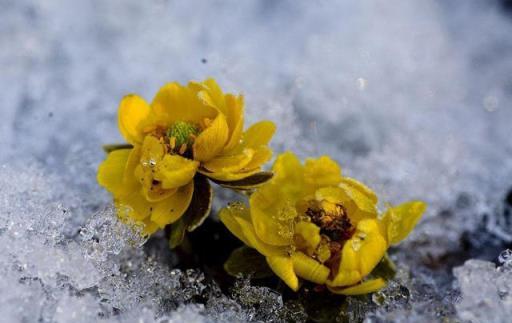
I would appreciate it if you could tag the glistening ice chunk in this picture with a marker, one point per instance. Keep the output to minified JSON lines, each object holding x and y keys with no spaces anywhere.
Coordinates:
{"x":486,"y":291}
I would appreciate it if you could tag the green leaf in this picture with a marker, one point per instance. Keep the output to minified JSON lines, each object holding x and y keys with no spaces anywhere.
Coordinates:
{"x":178,"y":229}
{"x":385,"y":269}
{"x":247,"y":183}
{"x":110,"y":148}
{"x":200,"y":205}
{"x":248,"y":262}
{"x":322,"y":306}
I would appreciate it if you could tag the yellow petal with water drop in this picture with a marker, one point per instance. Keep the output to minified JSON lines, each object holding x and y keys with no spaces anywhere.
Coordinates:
{"x":174,"y":171}
{"x":360,"y":254}
{"x":149,"y":227}
{"x":273,"y":208}
{"x":152,"y":151}
{"x":274,"y":224}
{"x":133,"y":206}
{"x":373,"y":245}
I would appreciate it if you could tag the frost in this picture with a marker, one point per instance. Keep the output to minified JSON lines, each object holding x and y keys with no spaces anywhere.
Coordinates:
{"x":486,"y":291}
{"x":411,"y":98}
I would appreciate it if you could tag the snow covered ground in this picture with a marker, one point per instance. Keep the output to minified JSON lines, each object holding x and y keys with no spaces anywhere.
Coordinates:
{"x":412,"y":97}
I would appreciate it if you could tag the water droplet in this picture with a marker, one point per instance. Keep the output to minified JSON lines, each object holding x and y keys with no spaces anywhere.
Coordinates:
{"x":356,"y":244}
{"x":505,"y":258}
{"x":362,"y":83}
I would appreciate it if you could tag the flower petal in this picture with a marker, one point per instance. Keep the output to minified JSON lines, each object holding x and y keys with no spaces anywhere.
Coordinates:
{"x":274,"y":224}
{"x":321,"y":172}
{"x":360,"y":187}
{"x":309,"y":269}
{"x":401,"y":220}
{"x":172,"y":208}
{"x":212,"y":140}
{"x":273,"y":205}
{"x":130,"y":182}
{"x":111,"y":171}
{"x":175,"y":171}
{"x":214,"y":93}
{"x":246,"y":167}
{"x":152,"y":151}
{"x":373,"y":246}
{"x":258,"y":134}
{"x":228,"y":216}
{"x":360,"y":254}
{"x":264,"y":248}
{"x":149,"y":227}
{"x":307,"y":236}
{"x":230,"y":163}
{"x":364,"y":204}
{"x":232,"y":106}
{"x":282,"y":266}
{"x":289,"y":175}
{"x":133,"y":207}
{"x":345,"y":277}
{"x":358,"y":205}
{"x":235,"y":118}
{"x":261,"y":155}
{"x":133,"y":110}
{"x":365,"y":287}
{"x":175,"y":102}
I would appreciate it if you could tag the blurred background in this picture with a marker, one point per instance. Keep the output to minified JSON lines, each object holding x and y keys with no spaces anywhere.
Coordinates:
{"x":412,"y":97}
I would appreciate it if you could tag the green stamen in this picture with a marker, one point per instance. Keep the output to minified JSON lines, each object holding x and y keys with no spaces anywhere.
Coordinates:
{"x":184,"y":133}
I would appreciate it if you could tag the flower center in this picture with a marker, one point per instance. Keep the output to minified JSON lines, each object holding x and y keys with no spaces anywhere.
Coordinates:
{"x":181,"y":136}
{"x":335,"y":228}
{"x":332,"y":220}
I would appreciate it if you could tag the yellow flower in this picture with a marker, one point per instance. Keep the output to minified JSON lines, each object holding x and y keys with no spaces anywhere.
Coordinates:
{"x":187,"y":134}
{"x":312,"y":223}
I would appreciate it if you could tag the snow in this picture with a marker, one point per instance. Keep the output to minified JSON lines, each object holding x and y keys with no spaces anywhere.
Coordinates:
{"x":411,"y":97}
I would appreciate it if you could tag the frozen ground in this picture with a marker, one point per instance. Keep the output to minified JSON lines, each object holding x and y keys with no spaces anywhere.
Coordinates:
{"x":414,"y":97}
